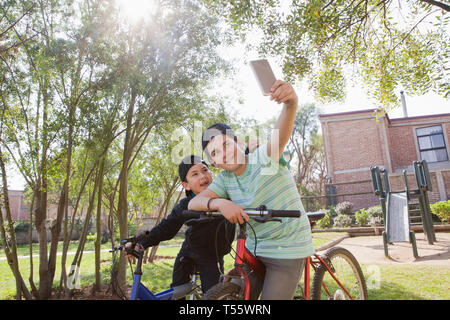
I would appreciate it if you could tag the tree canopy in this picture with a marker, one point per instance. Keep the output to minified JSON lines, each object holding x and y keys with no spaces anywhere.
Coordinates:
{"x":387,"y":45}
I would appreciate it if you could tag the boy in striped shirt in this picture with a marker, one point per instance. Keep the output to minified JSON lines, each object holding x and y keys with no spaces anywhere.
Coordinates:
{"x":254,"y":179}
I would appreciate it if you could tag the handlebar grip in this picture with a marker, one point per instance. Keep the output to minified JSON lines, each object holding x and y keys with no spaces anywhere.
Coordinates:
{"x":286,"y":213}
{"x":191,"y":214}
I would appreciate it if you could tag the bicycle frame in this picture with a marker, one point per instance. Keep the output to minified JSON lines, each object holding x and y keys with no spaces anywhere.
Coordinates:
{"x":140,"y":292}
{"x":244,"y":256}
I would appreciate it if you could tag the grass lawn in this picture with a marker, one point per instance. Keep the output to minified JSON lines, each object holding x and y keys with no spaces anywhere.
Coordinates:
{"x":385,"y":282}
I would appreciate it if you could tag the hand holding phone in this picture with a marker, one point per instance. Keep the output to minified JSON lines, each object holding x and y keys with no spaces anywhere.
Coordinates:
{"x":264,"y":75}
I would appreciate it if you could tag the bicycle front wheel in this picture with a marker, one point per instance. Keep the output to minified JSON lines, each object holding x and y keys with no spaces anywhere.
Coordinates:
{"x":348,"y":272}
{"x":223,"y":291}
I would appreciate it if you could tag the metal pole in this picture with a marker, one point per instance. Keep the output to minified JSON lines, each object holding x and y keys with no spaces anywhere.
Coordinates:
{"x":405,"y":111}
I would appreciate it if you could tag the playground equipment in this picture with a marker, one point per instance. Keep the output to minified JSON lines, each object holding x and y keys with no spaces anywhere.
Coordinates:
{"x":395,"y":206}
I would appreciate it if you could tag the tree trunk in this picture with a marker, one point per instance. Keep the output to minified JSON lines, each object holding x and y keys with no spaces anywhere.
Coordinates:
{"x":99,"y":226}
{"x":40,"y":216}
{"x":11,"y":253}
{"x":34,"y":290}
{"x":40,"y":191}
{"x":56,"y":230}
{"x":122,"y":207}
{"x":68,"y":233}
{"x":75,"y":267}
{"x":63,"y":202}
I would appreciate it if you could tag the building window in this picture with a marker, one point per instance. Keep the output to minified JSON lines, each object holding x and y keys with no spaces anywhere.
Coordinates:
{"x":432,"y":144}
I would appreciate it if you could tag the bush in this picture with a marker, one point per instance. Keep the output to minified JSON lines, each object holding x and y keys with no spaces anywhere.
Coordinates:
{"x":362,"y":217}
{"x":91,"y":237}
{"x":21,"y":226}
{"x":342,"y":220}
{"x":375,"y":215}
{"x":325,"y":222}
{"x":375,"y":211}
{"x":442,"y":210}
{"x":375,"y":220}
{"x":331,"y":212}
{"x":344,"y":208}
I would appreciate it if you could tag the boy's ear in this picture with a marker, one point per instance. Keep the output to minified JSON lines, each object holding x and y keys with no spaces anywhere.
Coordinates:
{"x":186,"y":185}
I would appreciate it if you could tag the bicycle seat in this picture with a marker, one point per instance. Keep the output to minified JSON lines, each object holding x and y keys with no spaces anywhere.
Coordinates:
{"x":314,"y":216}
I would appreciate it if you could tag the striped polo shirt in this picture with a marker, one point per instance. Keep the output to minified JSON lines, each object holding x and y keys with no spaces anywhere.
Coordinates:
{"x":266,"y":182}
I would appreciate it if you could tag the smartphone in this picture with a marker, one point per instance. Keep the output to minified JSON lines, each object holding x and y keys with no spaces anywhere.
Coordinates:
{"x":264,"y":75}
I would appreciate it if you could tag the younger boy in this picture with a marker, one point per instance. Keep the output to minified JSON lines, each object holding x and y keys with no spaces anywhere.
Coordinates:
{"x":199,"y":248}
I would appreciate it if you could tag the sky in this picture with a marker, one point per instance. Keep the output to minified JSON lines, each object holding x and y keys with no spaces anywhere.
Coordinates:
{"x":259,"y":107}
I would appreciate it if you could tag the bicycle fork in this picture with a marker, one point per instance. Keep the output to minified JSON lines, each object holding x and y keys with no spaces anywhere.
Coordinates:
{"x":329,"y":270}
{"x":244,"y":256}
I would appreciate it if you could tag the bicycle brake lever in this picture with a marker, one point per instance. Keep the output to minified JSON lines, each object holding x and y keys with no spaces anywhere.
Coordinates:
{"x":266,"y":219}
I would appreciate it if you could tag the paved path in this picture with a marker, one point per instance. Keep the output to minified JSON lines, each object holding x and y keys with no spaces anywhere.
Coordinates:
{"x":370,"y":249}
{"x":86,"y":251}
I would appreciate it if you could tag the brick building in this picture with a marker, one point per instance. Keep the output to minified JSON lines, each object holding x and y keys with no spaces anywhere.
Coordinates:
{"x":20,"y":210}
{"x":354,"y":141}
{"x":20,"y":207}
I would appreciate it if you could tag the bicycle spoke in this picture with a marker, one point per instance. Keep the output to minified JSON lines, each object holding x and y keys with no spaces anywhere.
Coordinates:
{"x":339,"y":277}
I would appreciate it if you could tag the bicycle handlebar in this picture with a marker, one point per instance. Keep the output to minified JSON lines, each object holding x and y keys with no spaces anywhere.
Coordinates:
{"x":130,"y":250}
{"x":261,"y":214}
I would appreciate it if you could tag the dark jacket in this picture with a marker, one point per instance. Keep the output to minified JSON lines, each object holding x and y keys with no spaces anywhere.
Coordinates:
{"x":200,"y":236}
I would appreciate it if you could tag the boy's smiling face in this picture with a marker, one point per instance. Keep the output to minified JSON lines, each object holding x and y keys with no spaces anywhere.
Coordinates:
{"x":198,"y":178}
{"x":225,"y":153}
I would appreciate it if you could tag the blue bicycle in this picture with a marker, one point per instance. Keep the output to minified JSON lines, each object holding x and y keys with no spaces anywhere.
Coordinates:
{"x":139,"y":291}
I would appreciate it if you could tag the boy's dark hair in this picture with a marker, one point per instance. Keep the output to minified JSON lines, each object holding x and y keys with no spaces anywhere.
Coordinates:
{"x":185,"y":165}
{"x":215,"y":130}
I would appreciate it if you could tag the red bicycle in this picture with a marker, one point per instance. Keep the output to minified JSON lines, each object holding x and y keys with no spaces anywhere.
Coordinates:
{"x":338,"y":275}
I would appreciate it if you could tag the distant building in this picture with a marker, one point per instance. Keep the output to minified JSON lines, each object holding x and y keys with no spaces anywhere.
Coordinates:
{"x":20,"y":207}
{"x":354,"y":141}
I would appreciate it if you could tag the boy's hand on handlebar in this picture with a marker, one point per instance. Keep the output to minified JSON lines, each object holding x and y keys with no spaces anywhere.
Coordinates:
{"x":233,"y":212}
{"x":127,"y":250}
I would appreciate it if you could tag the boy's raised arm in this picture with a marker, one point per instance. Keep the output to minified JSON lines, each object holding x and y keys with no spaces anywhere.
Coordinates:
{"x":282,"y":92}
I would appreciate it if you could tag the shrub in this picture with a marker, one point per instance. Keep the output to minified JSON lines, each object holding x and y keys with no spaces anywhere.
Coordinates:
{"x":375,"y":211}
{"x":344,"y":208}
{"x":325,"y":222}
{"x":442,"y":210}
{"x":331,"y":212}
{"x":91,"y":237}
{"x":21,"y":226}
{"x":375,"y":220}
{"x":362,"y":217}
{"x":375,"y":215}
{"x":342,"y":220}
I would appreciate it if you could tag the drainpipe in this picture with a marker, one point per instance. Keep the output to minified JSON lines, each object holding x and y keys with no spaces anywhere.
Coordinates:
{"x":405,"y":112}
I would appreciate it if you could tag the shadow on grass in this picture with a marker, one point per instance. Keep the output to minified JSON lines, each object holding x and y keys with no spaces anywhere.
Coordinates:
{"x":392,"y":291}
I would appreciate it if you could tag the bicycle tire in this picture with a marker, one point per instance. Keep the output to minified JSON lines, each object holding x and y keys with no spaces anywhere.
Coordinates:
{"x":223,"y":291}
{"x":349,"y":273}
